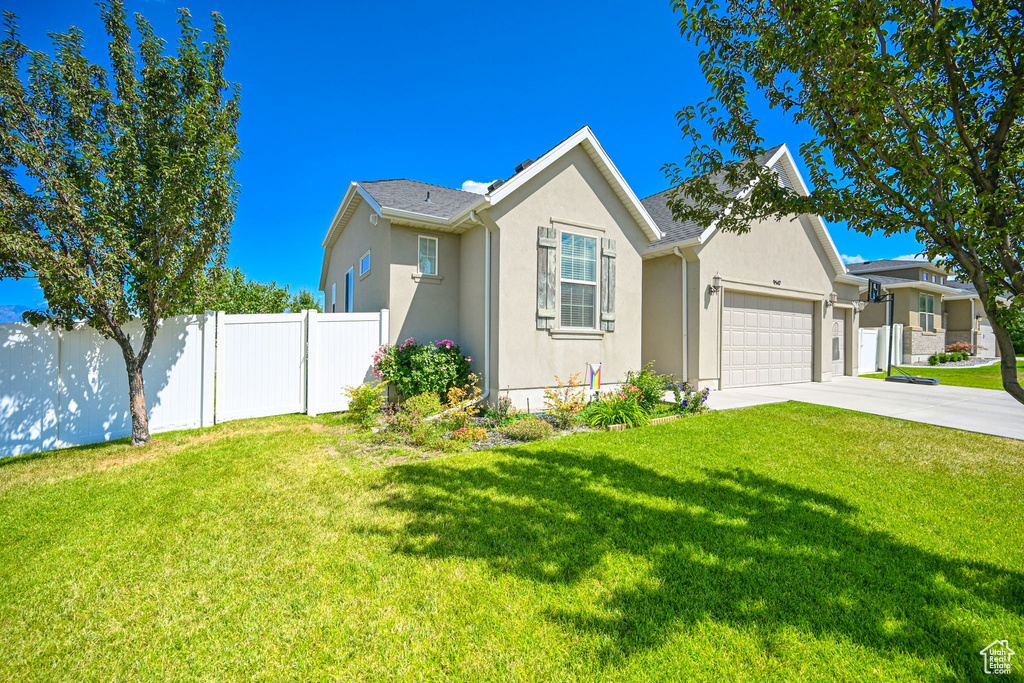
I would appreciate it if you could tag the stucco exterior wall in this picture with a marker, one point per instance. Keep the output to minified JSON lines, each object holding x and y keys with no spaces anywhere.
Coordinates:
{"x":662,"y":330}
{"x":570,"y":195}
{"x":371,"y":291}
{"x":424,"y":308}
{"x":958,"y":315}
{"x":775,"y":258}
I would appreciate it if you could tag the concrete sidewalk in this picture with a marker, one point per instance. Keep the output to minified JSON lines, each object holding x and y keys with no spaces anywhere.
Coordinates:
{"x":975,"y":410}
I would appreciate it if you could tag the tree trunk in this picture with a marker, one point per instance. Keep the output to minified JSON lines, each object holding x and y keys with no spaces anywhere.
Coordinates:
{"x":1007,"y":361}
{"x":137,"y":401}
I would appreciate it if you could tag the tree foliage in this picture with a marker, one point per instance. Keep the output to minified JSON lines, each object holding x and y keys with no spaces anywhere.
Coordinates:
{"x":116,"y":185}
{"x":916,"y":113}
{"x":232,"y":292}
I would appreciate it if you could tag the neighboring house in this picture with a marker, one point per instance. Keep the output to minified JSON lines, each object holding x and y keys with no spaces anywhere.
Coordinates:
{"x":934,"y":309}
{"x":561,"y":265}
{"x":771,"y":306}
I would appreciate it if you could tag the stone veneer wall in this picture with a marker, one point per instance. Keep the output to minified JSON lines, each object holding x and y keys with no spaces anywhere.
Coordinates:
{"x":917,"y":345}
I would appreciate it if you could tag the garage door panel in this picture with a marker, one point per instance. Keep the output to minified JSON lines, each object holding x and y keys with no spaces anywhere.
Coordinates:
{"x":766,"y":340}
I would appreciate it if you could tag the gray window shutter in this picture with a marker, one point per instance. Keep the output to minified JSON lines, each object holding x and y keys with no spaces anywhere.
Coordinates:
{"x":547,"y":276}
{"x":608,"y":285}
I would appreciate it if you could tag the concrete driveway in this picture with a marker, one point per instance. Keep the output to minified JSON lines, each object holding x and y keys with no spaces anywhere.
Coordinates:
{"x":975,"y":410}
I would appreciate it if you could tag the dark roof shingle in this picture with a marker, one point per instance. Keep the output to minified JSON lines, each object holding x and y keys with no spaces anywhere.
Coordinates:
{"x":411,"y":195}
{"x":678,"y":231}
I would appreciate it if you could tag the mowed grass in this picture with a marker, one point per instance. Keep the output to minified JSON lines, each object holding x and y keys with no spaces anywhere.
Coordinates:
{"x":983,"y":377}
{"x":773,"y":543}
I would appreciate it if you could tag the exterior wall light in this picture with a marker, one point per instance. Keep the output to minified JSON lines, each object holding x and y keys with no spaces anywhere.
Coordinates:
{"x":716,"y":284}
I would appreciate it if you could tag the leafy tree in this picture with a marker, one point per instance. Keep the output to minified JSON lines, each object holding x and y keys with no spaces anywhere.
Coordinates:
{"x":306,"y":300}
{"x":916,"y":114}
{"x":117,"y":187}
{"x":232,"y":292}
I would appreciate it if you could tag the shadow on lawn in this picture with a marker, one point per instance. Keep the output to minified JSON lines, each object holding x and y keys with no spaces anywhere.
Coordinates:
{"x":735,"y":547}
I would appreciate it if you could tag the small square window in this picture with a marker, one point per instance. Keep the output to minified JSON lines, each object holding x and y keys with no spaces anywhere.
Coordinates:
{"x":427,"y":258}
{"x":364,"y":263}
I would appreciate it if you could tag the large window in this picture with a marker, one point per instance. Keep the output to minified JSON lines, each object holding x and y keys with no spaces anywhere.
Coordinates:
{"x":927,"y":312}
{"x":350,"y":291}
{"x":427,"y":261}
{"x":579,"y":281}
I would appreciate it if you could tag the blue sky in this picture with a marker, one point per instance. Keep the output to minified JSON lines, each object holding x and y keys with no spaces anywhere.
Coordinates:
{"x":438,"y":92}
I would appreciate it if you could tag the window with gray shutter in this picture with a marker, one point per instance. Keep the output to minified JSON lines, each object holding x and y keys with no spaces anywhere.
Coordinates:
{"x":608,"y":285}
{"x":547,"y":242}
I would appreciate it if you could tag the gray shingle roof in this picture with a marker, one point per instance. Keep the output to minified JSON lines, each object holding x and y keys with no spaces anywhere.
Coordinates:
{"x":885,"y":264}
{"x":411,"y":195}
{"x":678,"y":231}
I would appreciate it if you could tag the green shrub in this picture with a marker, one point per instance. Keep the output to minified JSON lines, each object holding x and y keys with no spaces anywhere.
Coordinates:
{"x":417,"y":368}
{"x":527,"y":428}
{"x":651,"y":385}
{"x":933,"y":359}
{"x":617,"y":407}
{"x":411,"y":417}
{"x":501,"y":412}
{"x":365,"y":402}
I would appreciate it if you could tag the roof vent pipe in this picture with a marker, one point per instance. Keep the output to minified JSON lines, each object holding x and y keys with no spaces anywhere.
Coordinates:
{"x":428,"y":198}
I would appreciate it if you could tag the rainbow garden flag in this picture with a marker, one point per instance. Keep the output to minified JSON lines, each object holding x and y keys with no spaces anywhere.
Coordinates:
{"x":594,"y":375}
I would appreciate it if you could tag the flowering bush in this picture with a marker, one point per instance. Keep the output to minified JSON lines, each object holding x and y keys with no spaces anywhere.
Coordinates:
{"x":564,"y":401}
{"x":417,"y":368}
{"x":651,"y":385}
{"x":470,"y":434}
{"x":617,"y":407}
{"x":689,"y":400}
{"x":501,"y":412}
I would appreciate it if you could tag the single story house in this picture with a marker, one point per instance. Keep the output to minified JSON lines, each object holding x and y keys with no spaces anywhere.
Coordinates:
{"x":561,"y":266}
{"x":934,"y":309}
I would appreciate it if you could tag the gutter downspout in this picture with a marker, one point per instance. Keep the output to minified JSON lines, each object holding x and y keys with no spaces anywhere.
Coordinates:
{"x":487,"y":305}
{"x":686,"y":326}
{"x":974,"y":327}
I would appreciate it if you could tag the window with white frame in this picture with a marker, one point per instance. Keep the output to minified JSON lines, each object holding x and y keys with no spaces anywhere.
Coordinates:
{"x":927,"y":312}
{"x":364,"y":264}
{"x":924,"y":276}
{"x":427,"y":256}
{"x":578,"y":300}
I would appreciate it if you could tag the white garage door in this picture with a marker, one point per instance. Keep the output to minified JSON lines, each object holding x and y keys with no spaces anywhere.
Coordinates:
{"x":766,"y":340}
{"x":838,"y":342}
{"x":986,"y":341}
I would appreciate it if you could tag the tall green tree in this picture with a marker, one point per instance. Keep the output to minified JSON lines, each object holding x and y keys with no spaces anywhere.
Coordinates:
{"x":232,"y":292}
{"x":117,"y":185}
{"x":915,"y":108}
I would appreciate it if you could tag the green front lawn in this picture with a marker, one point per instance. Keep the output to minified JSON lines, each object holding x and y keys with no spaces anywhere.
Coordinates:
{"x":983,"y":377}
{"x":778,"y":542}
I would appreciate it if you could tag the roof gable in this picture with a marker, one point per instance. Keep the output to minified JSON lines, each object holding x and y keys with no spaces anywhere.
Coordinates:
{"x":679,"y":233}
{"x":583,"y":138}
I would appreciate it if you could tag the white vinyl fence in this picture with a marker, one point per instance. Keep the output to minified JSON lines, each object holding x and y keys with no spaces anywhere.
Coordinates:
{"x":873,"y":347}
{"x":65,"y":388}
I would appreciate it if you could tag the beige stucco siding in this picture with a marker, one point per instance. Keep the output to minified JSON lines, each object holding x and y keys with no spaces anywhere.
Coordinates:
{"x":571,"y":189}
{"x":663,"y":314}
{"x":779,"y":258}
{"x":370,"y":291}
{"x":426,"y":309}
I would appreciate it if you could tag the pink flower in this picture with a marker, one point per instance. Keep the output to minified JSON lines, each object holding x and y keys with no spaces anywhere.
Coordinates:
{"x":469,"y":359}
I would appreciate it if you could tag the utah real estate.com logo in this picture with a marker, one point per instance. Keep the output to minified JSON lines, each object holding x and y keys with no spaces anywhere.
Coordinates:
{"x":997,"y":657}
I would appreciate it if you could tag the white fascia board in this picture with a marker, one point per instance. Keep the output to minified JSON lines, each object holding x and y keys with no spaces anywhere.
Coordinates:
{"x":849,"y":279}
{"x":601,"y":158}
{"x":931,"y":287}
{"x":960,"y":297}
{"x":354,"y":192}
